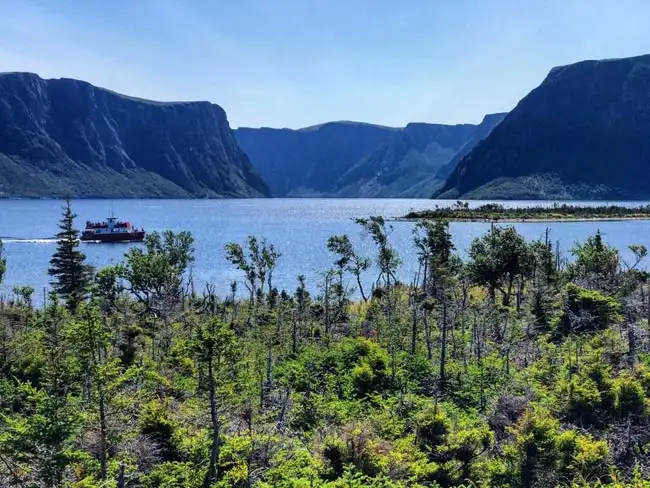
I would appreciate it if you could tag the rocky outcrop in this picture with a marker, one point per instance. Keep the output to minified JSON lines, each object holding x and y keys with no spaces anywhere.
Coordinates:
{"x":350,"y":159}
{"x":67,"y":136}
{"x":310,"y":161}
{"x":583,"y":133}
{"x":406,"y":164}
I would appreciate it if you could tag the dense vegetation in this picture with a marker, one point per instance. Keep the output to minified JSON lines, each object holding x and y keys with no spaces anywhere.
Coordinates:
{"x":492,"y":212}
{"x":513,"y":368}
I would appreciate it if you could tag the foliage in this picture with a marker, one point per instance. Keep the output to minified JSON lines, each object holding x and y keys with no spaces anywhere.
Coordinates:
{"x":71,"y":274}
{"x":147,"y":383}
{"x":498,"y":259}
{"x":155,"y":274}
{"x":3,"y":262}
{"x":496,"y":212}
{"x":595,"y":261}
{"x":589,"y":310}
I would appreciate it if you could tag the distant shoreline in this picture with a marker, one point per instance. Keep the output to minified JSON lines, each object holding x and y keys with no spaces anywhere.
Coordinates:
{"x":530,"y":221}
{"x":494,"y":213}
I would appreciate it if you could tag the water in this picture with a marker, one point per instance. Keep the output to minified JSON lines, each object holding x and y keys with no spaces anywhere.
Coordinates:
{"x":299,"y":228}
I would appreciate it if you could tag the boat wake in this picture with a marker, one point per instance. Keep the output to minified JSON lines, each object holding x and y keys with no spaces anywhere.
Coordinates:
{"x":28,"y":240}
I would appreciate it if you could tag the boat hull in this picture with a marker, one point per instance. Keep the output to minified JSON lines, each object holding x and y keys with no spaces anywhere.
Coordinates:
{"x":113,"y":237}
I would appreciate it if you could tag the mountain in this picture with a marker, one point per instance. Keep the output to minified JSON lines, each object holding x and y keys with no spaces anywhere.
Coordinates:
{"x":584,"y":133}
{"x":404,"y":165}
{"x":350,"y":159}
{"x":483,"y":130}
{"x":309,"y":161}
{"x":65,"y":136}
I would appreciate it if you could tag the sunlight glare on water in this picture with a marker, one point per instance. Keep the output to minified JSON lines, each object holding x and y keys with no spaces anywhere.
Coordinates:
{"x":299,"y":228}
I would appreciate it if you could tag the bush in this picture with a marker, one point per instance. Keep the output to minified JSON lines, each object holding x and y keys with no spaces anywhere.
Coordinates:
{"x":581,"y":400}
{"x":432,"y":427}
{"x":628,"y":396}
{"x":588,"y":311}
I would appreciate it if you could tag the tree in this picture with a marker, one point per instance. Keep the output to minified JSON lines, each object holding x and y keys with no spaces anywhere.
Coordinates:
{"x":156,"y":274}
{"x":388,"y":260}
{"x":349,"y":260}
{"x":498,"y":258}
{"x":596,"y":263}
{"x":258,"y":266}
{"x":215,"y":346}
{"x":92,"y":348}
{"x":3,"y":262}
{"x":72,"y":276}
{"x":545,"y":267}
{"x":588,"y":311}
{"x":434,"y":247}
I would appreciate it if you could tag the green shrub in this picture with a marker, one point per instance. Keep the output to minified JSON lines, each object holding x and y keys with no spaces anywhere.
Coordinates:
{"x":588,"y":311}
{"x":628,"y":396}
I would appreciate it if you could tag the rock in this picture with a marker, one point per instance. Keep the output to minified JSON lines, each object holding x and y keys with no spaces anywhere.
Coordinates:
{"x":65,"y":136}
{"x":350,"y":159}
{"x":582,"y":134}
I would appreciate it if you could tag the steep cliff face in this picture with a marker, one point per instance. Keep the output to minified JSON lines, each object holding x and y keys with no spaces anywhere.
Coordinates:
{"x":309,"y":161}
{"x":349,"y":159}
{"x":484,"y":129}
{"x":583,"y":133}
{"x":66,"y":136}
{"x":405,"y":165}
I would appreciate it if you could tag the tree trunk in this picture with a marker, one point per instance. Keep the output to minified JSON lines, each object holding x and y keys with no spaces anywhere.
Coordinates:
{"x":363,"y":295}
{"x":631,"y":340}
{"x":427,"y":333}
{"x":120,"y":477}
{"x":649,"y":309}
{"x":327,"y":305}
{"x":294,"y":335}
{"x":414,"y":329}
{"x":443,"y":348}
{"x":508,"y":293}
{"x":103,"y":431}
{"x":269,"y":364}
{"x":213,"y":470}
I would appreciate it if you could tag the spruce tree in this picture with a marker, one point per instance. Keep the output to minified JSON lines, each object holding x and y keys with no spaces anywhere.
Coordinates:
{"x":3,"y":262}
{"x":68,"y":267}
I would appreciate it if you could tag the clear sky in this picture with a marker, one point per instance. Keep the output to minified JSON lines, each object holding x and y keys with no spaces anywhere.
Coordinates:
{"x":294,"y":63}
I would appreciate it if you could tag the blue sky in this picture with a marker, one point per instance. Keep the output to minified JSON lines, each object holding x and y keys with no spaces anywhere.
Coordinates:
{"x":294,"y":63}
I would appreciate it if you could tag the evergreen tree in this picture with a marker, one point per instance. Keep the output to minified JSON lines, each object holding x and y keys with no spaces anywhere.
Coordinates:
{"x":72,"y":276}
{"x":3,"y":262}
{"x":498,"y":259}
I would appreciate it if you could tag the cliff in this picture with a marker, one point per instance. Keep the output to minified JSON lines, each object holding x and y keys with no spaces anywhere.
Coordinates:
{"x":65,"y":136}
{"x":351,"y":159}
{"x":583,"y":133}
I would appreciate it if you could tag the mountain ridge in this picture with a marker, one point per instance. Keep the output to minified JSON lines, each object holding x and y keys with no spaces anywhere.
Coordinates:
{"x":68,"y":137}
{"x":361,"y":160}
{"x":582,"y":133}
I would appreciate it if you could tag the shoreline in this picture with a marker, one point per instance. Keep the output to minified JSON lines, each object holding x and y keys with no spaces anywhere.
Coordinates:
{"x":513,"y":220}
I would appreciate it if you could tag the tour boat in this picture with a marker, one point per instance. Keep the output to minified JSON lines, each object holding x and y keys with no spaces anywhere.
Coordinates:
{"x":111,"y":230}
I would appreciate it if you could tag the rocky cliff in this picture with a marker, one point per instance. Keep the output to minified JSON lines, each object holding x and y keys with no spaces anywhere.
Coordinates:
{"x":405,"y":165}
{"x":583,"y":133}
{"x":66,"y":136}
{"x":349,"y":159}
{"x":309,"y":161}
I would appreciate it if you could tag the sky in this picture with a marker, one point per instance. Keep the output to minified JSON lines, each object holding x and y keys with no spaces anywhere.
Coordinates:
{"x":295,"y":63}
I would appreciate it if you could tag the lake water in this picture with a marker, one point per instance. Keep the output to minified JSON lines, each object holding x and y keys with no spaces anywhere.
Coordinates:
{"x":299,"y":228}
